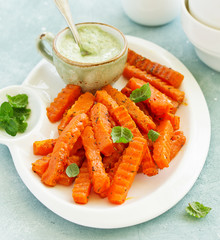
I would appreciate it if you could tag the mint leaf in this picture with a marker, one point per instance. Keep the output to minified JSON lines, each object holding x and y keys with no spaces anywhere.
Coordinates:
{"x":121,"y":135}
{"x":153,"y":135}
{"x":18,"y":101}
{"x":197,"y":210}
{"x":6,"y":110}
{"x":72,"y":170}
{"x":22,"y":127}
{"x":141,"y":94}
{"x":12,"y":127}
{"x":22,"y":114}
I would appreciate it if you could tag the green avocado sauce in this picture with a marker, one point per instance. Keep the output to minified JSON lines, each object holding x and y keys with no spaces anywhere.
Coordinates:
{"x":101,"y":45}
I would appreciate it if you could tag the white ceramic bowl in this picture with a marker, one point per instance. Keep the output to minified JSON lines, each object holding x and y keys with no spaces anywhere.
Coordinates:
{"x":151,"y":12}
{"x":205,"y":39}
{"x":206,"y":11}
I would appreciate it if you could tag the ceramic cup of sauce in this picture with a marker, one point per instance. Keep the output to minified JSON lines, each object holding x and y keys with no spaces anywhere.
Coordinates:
{"x":105,"y":63}
{"x":151,"y":12}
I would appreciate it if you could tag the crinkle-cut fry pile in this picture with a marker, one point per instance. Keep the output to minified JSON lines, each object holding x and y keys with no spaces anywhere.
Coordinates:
{"x":86,"y":122}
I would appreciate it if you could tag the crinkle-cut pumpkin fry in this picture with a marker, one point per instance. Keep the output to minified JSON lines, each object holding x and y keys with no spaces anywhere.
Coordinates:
{"x":170,"y":91}
{"x":144,"y":109}
{"x":44,"y":147}
{"x":127,"y":170}
{"x":158,"y":103}
{"x":175,"y":105}
{"x":65,"y":180}
{"x":142,"y":120}
{"x":109,"y":162}
{"x":162,"y":148}
{"x":63,"y":101}
{"x":104,"y":98}
{"x":78,"y":145}
{"x":111,"y":174}
{"x":100,"y":179}
{"x":177,"y":141}
{"x":123,"y":118}
{"x":102,"y":129}
{"x":82,"y":185}
{"x":78,"y":158}
{"x":168,"y":75}
{"x":148,"y":165}
{"x":175,"y":120}
{"x":41,"y":165}
{"x":62,"y":149}
{"x":82,"y":105}
{"x":126,"y":91}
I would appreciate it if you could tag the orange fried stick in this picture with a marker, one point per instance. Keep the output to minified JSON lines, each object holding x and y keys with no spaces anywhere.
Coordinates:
{"x":62,"y":149}
{"x":177,"y":141}
{"x":127,"y":170}
{"x":41,"y":165}
{"x":170,"y":91}
{"x":123,"y":118}
{"x":142,"y":120}
{"x":148,"y":165}
{"x":158,"y":103}
{"x":63,"y":101}
{"x":44,"y":147}
{"x":168,"y":75}
{"x":82,"y":185}
{"x":104,"y":98}
{"x":100,"y":179}
{"x":102,"y":129}
{"x":82,"y":105}
{"x":161,"y":151}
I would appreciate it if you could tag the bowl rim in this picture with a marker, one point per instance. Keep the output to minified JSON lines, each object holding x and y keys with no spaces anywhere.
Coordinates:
{"x":80,"y":64}
{"x":186,"y":17}
{"x":185,"y":8}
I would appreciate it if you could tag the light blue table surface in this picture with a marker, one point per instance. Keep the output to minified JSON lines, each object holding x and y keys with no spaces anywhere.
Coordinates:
{"x":22,"y":216}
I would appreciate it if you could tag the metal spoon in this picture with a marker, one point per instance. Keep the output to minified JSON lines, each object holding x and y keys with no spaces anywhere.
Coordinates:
{"x":64,"y":8}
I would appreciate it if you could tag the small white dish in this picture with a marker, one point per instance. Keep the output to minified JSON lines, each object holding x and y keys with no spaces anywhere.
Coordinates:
{"x":206,"y":11}
{"x":205,"y":39}
{"x":151,"y":12}
{"x":148,"y":197}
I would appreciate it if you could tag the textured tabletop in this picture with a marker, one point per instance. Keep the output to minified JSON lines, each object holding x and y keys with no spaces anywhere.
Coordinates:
{"x":22,"y":216}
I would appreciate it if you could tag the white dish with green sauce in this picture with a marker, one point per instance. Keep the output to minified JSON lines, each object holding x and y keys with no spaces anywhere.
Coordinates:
{"x":105,"y":64}
{"x":101,"y":45}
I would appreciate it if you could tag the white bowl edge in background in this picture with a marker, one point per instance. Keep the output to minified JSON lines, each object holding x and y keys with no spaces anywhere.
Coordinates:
{"x":205,"y":39}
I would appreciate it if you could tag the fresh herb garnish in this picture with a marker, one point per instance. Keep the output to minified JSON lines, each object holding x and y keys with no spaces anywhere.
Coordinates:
{"x":72,"y":170}
{"x":14,"y":114}
{"x":141,"y":94}
{"x":18,"y":101}
{"x":197,"y":210}
{"x":121,"y":135}
{"x":153,"y":135}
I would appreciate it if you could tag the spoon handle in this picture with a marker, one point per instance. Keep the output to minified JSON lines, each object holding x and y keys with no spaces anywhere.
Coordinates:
{"x":64,"y":8}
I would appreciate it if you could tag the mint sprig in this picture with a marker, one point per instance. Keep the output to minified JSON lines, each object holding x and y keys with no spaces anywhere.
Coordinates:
{"x":141,"y":94}
{"x":14,"y":114}
{"x":121,"y":135}
{"x":197,"y":210}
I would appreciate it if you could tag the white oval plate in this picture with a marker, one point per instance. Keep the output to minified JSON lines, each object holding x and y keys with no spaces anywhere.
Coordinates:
{"x":149,"y":196}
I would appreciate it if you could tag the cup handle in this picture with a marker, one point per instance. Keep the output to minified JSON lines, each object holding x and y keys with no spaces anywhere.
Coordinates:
{"x":48,"y":37}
